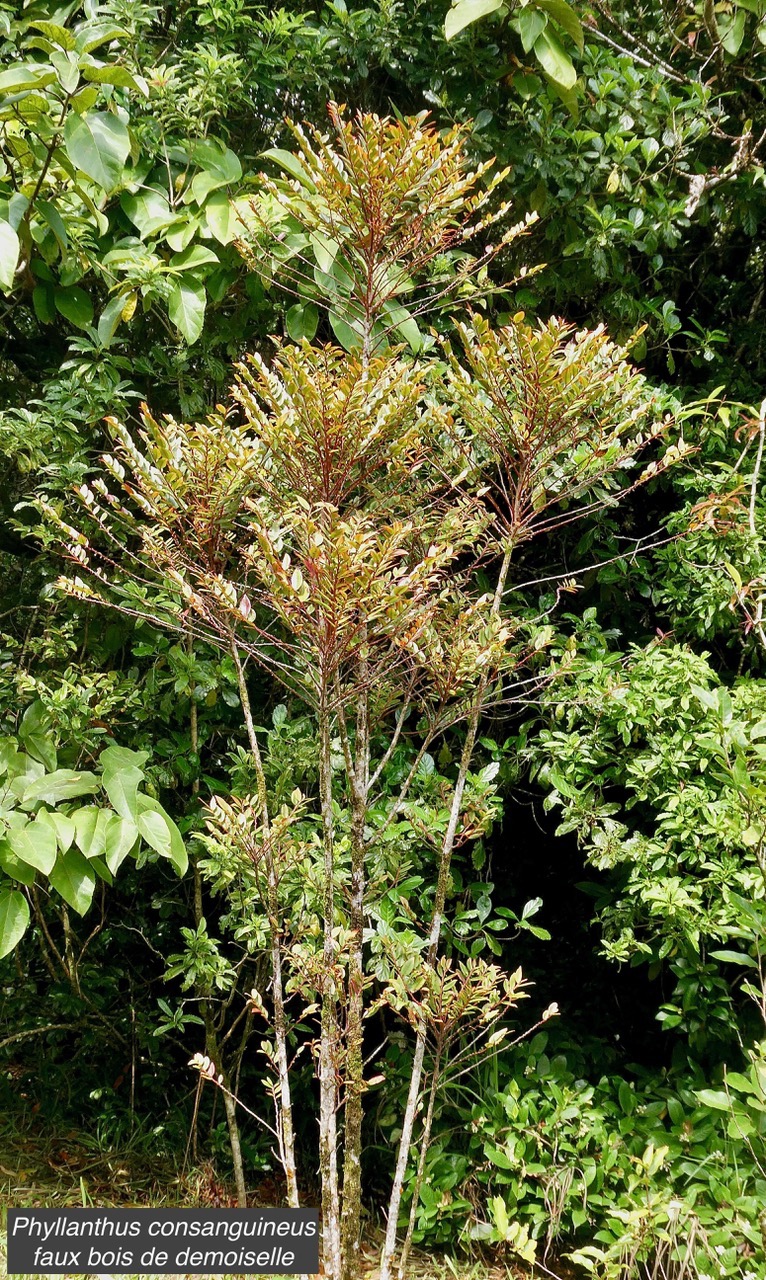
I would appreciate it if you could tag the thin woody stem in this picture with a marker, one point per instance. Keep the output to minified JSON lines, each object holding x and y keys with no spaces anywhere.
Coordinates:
{"x":445,"y":861}
{"x":285,"y":1117}
{"x":328,"y":1046}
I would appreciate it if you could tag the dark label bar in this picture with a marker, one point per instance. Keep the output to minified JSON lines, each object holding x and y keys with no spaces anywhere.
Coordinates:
{"x":163,"y":1241}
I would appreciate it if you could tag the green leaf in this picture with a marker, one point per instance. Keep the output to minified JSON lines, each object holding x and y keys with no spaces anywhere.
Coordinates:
{"x":148,"y":210}
{"x":35,"y":844}
{"x":114,"y":758}
{"x":34,"y":732}
{"x":116,"y":75}
{"x":325,"y":250}
{"x":75,"y":305}
{"x":64,"y":784}
{"x":714,"y":1098}
{"x":465,"y":12}
{"x":565,"y":16}
{"x":186,"y":308}
{"x":23,"y":77}
{"x":90,"y":825}
{"x":220,"y":217}
{"x":98,"y":144}
{"x":67,"y":71}
{"x":554,"y":61}
{"x":9,"y":256}
{"x":95,"y":34}
{"x":121,"y":783}
{"x":732,"y":31}
{"x":110,"y":318}
{"x":348,"y":338}
{"x":196,"y":255}
{"x":734,"y":957}
{"x":75,"y":880}
{"x":64,"y":828}
{"x":55,"y":33}
{"x":404,"y":324}
{"x":42,"y":301}
{"x":14,"y":867}
{"x":121,"y":836}
{"x":14,"y":918}
{"x":55,"y":222}
{"x":301,"y":321}
{"x":161,"y":834}
{"x":531,"y":22}
{"x":291,"y":164}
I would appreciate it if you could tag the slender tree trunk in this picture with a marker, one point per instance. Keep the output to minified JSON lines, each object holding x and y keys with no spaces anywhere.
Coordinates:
{"x":198,"y":906}
{"x":285,"y":1109}
{"x":215,"y":1053}
{"x":445,"y":861}
{"x":425,"y":1142}
{"x":328,"y":1046}
{"x":354,"y":1110}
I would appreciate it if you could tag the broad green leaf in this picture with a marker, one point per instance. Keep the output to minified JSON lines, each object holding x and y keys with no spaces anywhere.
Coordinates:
{"x":148,"y":210}
{"x":196,"y":255}
{"x":98,"y":144}
{"x":55,"y":33}
{"x":34,"y":732}
{"x":75,"y":880}
{"x":348,"y":338}
{"x":95,"y":34}
{"x":186,"y":308}
{"x":25,"y":77}
{"x":554,"y":60}
{"x":734,"y":957}
{"x":14,"y":918}
{"x":121,"y":836}
{"x":465,"y":12}
{"x":111,"y":74}
{"x":161,"y":834}
{"x":216,"y":158}
{"x":114,"y":758}
{"x":75,"y":305}
{"x":35,"y":844}
{"x":732,"y":29}
{"x":64,"y":828}
{"x":64,"y":784}
{"x":531,"y":21}
{"x":325,"y":250}
{"x":182,"y":231}
{"x":14,"y":867}
{"x":404,"y":324}
{"x":220,"y":217}
{"x":110,"y":318}
{"x":301,"y":321}
{"x":85,"y":98}
{"x":565,"y":16}
{"x":101,"y":869}
{"x":121,"y":785}
{"x":291,"y":164}
{"x":67,"y":71}
{"x":55,"y":222}
{"x":9,"y":256}
{"x":17,"y":209}
{"x":90,"y":825}
{"x":715,"y":1098}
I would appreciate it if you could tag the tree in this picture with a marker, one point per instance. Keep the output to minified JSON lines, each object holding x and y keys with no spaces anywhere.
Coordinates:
{"x":329,"y":527}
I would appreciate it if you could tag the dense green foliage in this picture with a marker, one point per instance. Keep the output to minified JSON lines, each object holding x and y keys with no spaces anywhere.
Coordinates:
{"x":615,"y":824}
